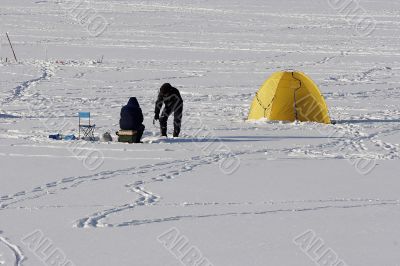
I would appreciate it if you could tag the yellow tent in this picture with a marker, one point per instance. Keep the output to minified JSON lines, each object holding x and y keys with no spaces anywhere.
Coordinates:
{"x":289,"y":96}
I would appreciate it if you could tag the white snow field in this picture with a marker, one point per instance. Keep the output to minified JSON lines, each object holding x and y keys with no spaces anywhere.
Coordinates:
{"x":227,"y":192}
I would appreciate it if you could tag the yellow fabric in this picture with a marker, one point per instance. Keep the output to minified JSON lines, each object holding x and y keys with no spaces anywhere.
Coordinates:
{"x":289,"y":96}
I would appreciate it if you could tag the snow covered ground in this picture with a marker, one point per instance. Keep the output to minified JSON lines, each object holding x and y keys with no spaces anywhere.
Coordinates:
{"x":228,"y":192}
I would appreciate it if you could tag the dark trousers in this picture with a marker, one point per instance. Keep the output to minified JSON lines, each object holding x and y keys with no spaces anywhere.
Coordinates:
{"x":177,"y":120}
{"x":139,"y":133}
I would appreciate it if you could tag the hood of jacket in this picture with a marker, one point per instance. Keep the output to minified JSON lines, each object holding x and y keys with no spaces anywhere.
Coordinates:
{"x":133,"y":103}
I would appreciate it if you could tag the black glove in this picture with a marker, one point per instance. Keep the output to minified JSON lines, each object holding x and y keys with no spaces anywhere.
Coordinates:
{"x":156,"y":117}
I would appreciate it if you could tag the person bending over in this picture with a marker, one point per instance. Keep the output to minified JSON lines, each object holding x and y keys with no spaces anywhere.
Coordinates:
{"x":171,"y":98}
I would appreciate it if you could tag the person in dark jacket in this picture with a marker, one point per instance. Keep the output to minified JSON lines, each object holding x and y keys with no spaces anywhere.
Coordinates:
{"x":132,"y":118}
{"x":173,"y":103}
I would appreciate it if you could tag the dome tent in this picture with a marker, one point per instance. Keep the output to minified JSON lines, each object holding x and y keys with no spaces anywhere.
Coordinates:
{"x":289,"y":96}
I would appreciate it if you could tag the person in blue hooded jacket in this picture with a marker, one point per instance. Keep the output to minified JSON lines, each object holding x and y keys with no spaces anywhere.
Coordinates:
{"x":132,"y":118}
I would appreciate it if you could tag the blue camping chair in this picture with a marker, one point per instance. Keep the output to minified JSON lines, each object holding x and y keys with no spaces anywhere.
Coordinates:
{"x":85,"y":126}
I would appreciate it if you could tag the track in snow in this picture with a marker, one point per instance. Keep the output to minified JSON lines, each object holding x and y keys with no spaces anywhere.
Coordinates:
{"x":17,"y":255}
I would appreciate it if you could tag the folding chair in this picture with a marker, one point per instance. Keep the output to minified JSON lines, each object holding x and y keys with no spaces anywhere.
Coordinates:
{"x":87,"y":128}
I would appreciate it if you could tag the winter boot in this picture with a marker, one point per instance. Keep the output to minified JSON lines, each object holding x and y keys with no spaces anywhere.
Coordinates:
{"x":163,"y":132}
{"x":176,"y":132}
